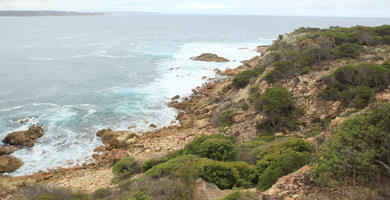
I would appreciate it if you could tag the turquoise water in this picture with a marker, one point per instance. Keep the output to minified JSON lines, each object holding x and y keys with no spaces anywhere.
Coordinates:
{"x":76,"y":75}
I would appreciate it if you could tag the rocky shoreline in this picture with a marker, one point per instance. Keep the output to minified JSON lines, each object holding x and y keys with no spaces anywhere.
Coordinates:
{"x":195,"y":115}
{"x":229,"y":106}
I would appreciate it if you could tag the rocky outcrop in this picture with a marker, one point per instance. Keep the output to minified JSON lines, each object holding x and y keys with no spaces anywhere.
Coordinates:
{"x":24,"y":138}
{"x":209,"y":57}
{"x":292,"y":186}
{"x":209,"y":191}
{"x":116,"y":155}
{"x":5,"y":150}
{"x":9,"y":164}
{"x":117,"y":139}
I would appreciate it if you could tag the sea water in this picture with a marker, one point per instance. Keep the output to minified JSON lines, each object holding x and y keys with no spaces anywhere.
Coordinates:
{"x":76,"y":75}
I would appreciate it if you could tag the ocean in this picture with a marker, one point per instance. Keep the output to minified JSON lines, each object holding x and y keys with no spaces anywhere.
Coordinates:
{"x":76,"y":75}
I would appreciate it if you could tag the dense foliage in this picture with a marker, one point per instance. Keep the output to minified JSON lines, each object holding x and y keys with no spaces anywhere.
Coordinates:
{"x":216,"y":147}
{"x":277,"y":105}
{"x":228,"y":174}
{"x":125,"y":168}
{"x":317,"y":46}
{"x":280,"y":158}
{"x":359,"y":149}
{"x":355,"y":85}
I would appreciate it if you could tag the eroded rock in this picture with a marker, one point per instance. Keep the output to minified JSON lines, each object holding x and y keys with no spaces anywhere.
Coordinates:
{"x":24,"y":138}
{"x":9,"y":164}
{"x":116,"y":155}
{"x":209,"y":57}
{"x":5,"y":150}
{"x":117,"y":139}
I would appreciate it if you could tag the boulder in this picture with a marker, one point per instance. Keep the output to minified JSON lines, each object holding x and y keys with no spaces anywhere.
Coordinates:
{"x":118,"y":139}
{"x":175,"y":97}
{"x":5,"y":150}
{"x":24,"y":138}
{"x":9,"y":164}
{"x":100,"y":149}
{"x":116,"y":155}
{"x":209,"y":57}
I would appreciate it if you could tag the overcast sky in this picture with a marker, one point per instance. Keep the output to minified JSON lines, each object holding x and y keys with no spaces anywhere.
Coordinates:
{"x":355,"y":8}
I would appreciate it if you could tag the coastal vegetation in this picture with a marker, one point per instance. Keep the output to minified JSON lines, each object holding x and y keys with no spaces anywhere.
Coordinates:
{"x":312,"y":102}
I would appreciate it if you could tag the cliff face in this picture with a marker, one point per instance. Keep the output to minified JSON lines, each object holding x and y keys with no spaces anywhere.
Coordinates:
{"x":297,"y":91}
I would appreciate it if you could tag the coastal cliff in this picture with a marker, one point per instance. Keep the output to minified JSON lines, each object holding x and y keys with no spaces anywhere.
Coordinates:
{"x":306,"y":119}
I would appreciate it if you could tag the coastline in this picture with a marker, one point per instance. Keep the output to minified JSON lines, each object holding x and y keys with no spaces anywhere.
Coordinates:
{"x":193,"y":113}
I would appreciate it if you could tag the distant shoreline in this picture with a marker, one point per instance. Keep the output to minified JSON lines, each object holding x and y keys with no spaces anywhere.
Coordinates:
{"x":46,"y":13}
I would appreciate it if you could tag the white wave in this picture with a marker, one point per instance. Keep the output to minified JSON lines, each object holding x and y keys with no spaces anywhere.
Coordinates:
{"x":43,"y":59}
{"x":12,"y":108}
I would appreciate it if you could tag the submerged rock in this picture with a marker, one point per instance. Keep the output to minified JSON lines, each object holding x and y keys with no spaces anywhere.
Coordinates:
{"x":9,"y":164}
{"x":24,"y":138}
{"x":5,"y":150}
{"x":209,"y":57}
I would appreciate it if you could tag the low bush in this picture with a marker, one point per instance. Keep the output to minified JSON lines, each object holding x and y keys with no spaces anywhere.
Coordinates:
{"x":164,"y":188}
{"x":217,"y":149}
{"x":347,"y":50}
{"x":125,"y":168}
{"x":278,"y":165}
{"x":358,"y":150}
{"x":239,"y":195}
{"x":226,"y":118}
{"x":280,"y":157}
{"x":227,"y":175}
{"x":382,"y":30}
{"x":175,"y":167}
{"x":355,"y":85}
{"x":242,"y":79}
{"x":358,"y":97}
{"x":101,"y":193}
{"x":281,"y":69}
{"x":194,"y":147}
{"x":278,"y":105}
{"x":43,"y":192}
{"x":153,"y":162}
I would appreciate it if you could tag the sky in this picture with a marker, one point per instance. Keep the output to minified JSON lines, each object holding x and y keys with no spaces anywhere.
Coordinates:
{"x":348,"y":8}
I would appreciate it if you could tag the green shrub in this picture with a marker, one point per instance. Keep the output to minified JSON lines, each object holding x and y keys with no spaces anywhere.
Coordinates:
{"x":217,"y":149}
{"x":382,"y":30}
{"x":271,"y":76}
{"x":174,"y":167}
{"x":278,"y":165}
{"x":386,"y":39}
{"x":45,"y":197}
{"x":305,"y":70}
{"x":227,"y":118}
{"x":239,"y":195}
{"x":194,"y":147}
{"x":125,"y":168}
{"x":233,"y":196}
{"x":357,"y":97}
{"x":101,"y":193}
{"x":278,"y":105}
{"x":140,"y":195}
{"x":357,"y":149}
{"x":227,"y":174}
{"x":153,"y":162}
{"x":355,"y":85}
{"x":280,"y":157}
{"x":341,"y":35}
{"x":242,"y":79}
{"x":347,"y":50}
{"x":81,"y":196}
